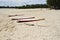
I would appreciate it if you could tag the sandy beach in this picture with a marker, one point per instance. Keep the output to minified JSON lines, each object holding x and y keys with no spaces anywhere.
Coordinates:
{"x":48,"y":29}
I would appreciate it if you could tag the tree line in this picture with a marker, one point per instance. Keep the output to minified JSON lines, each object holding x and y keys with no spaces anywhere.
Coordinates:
{"x":52,"y":4}
{"x":27,"y":6}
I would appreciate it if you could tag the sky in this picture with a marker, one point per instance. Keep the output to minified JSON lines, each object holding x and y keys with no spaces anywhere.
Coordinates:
{"x":20,"y":2}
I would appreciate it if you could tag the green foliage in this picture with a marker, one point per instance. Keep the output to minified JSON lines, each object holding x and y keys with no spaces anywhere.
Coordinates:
{"x":35,"y":6}
{"x":27,"y":6}
{"x":54,"y":4}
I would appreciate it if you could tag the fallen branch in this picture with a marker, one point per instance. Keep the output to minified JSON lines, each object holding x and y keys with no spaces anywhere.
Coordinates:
{"x":30,"y":20}
{"x":22,"y":18}
{"x":14,"y":15}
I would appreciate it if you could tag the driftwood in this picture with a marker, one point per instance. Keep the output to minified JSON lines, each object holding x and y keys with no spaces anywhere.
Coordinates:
{"x":14,"y":15}
{"x":26,"y":20}
{"x":22,"y":18}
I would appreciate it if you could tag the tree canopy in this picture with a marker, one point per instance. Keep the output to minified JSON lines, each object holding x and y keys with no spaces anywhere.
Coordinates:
{"x":27,"y":6}
{"x":54,"y":3}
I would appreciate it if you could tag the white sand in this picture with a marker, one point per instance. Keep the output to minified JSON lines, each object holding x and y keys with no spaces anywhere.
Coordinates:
{"x":48,"y":29}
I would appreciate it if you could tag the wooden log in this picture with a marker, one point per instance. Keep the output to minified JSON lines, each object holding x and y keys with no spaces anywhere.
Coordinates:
{"x":30,"y":20}
{"x":23,"y":18}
